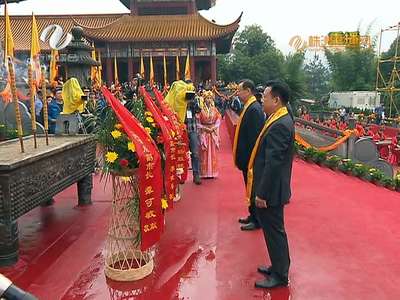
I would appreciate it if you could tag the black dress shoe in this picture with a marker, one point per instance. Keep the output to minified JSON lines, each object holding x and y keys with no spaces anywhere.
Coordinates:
{"x":197,"y":180}
{"x":250,"y":226}
{"x":244,"y":220}
{"x":270,"y":283}
{"x":266,"y":270}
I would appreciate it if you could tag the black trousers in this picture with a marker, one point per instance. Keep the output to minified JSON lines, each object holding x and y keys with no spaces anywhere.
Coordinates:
{"x":271,"y":220}
{"x":252,"y":206}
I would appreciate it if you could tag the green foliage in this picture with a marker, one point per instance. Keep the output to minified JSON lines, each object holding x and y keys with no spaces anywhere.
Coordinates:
{"x":360,"y":170}
{"x":254,"y":56}
{"x":104,"y":122}
{"x":294,"y":76}
{"x":386,"y":69}
{"x":309,"y":153}
{"x":376,"y":175}
{"x":7,"y":133}
{"x":317,"y":78}
{"x":346,"y":165}
{"x":397,"y":180}
{"x":353,"y":69}
{"x":332,"y":161}
{"x":388,"y":182}
{"x":319,"y":156}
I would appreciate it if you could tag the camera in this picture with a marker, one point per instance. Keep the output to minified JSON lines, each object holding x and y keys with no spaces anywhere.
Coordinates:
{"x":190,"y":96}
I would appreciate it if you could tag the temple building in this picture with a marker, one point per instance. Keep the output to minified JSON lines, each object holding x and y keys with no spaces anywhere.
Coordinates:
{"x":157,"y":28}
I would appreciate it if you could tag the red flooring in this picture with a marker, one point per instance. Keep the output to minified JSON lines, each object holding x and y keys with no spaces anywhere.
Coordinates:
{"x":344,"y":237}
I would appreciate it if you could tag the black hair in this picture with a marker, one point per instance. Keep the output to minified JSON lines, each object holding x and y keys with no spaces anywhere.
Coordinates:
{"x":248,"y":84}
{"x":259,"y":93}
{"x":279,"y":89}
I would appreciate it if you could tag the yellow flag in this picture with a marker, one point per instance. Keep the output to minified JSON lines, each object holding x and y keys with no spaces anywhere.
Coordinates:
{"x":151,"y":71}
{"x":35,"y":45}
{"x":178,"y":69}
{"x":165,"y":71}
{"x":8,"y":37}
{"x":93,"y":70}
{"x":35,"y":52}
{"x":115,"y":71}
{"x":142,"y":72}
{"x":99,"y":70}
{"x":187,"y":68}
{"x":53,"y":66}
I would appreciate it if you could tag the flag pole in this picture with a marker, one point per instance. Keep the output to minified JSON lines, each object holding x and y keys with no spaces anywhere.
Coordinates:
{"x":16,"y":103}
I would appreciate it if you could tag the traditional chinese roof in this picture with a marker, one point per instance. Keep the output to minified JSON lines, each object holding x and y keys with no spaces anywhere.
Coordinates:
{"x":200,"y":4}
{"x":21,"y":26}
{"x":162,"y":28}
{"x":127,"y":28}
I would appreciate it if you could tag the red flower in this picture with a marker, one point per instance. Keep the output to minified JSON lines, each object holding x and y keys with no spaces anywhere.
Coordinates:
{"x":123,"y":163}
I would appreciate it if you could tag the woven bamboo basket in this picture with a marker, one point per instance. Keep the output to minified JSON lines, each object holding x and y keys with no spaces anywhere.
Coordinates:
{"x":124,"y":261}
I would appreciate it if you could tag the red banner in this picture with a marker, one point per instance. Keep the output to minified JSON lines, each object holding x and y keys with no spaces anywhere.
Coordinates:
{"x":150,"y":174}
{"x":170,"y":178}
{"x":181,"y":138}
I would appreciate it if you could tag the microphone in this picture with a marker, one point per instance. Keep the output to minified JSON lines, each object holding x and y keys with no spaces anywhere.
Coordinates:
{"x":9,"y":291}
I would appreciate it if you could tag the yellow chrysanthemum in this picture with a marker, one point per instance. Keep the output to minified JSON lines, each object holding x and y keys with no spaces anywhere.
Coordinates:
{"x":131,"y":147}
{"x":164,"y":204}
{"x":150,"y":119}
{"x":148,"y":130}
{"x":111,"y":157}
{"x":118,"y":126}
{"x":173,"y":133}
{"x":126,"y":179}
{"x":147,"y":113}
{"x":116,"y":134}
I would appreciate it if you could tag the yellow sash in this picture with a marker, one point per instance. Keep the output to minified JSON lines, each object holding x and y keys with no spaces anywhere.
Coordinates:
{"x":272,"y":119}
{"x":236,"y":138}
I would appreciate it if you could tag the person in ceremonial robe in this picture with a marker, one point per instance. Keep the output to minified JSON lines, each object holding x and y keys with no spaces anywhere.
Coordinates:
{"x":247,"y":130}
{"x":208,"y":126}
{"x":270,"y":171}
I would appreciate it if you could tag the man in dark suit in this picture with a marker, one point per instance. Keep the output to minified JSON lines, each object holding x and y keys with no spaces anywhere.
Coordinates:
{"x":250,"y":124}
{"x":272,"y":171}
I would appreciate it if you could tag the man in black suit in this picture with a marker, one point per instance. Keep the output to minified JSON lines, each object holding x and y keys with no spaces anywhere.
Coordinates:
{"x":250,"y":124}
{"x":272,"y":171}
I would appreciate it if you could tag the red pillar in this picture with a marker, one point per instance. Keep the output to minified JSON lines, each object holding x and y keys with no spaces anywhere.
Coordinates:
{"x":213,"y":69}
{"x":193,"y":68}
{"x":130,"y":68}
{"x":109,"y":66}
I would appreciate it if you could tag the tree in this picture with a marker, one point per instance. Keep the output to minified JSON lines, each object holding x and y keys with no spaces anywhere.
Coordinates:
{"x":353,"y":69}
{"x":254,"y":56}
{"x":389,"y":76}
{"x":294,"y":76}
{"x":317,"y":77}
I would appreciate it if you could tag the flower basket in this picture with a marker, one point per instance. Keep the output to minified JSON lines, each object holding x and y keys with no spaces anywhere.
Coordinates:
{"x":124,"y":261}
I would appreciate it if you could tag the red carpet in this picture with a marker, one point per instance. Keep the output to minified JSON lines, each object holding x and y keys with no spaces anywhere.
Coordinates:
{"x":344,"y":237}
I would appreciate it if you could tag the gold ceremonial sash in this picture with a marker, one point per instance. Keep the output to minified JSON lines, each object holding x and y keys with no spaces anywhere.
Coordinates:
{"x":236,"y":138}
{"x":272,"y":119}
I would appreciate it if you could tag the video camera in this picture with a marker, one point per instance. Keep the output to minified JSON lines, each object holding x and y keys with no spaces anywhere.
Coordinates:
{"x":190,"y":96}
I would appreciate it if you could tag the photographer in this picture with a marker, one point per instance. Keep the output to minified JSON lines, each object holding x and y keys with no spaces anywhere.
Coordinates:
{"x":193,"y":108}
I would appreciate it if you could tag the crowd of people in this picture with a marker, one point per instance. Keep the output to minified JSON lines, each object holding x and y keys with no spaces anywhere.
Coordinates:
{"x":387,"y":141}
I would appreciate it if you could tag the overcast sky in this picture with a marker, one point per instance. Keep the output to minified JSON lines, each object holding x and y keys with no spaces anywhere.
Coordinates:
{"x":281,"y":19}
